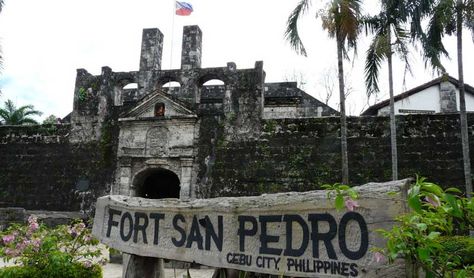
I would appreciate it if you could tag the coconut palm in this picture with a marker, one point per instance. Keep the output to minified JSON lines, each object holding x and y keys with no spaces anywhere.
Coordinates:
{"x":11,"y":115}
{"x":449,"y":17}
{"x":341,"y":20}
{"x":389,"y":38}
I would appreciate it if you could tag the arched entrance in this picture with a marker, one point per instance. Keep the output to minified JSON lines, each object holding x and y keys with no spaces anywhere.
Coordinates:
{"x":157,"y":183}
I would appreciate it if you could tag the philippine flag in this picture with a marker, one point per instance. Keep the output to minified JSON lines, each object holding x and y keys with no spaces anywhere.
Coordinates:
{"x":183,"y":8}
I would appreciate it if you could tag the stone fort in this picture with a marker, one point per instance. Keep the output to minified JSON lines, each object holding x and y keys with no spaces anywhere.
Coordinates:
{"x":243,"y":137}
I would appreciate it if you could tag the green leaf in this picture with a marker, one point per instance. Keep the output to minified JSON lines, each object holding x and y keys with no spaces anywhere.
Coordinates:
{"x":326,"y":186}
{"x":453,"y":190}
{"x":353,"y":194}
{"x":423,"y":253}
{"x":339,"y":202}
{"x":461,"y":274}
{"x":344,"y":187}
{"x":421,"y":226}
{"x":433,"y":235}
{"x":451,"y":200}
{"x":414,"y":203}
{"x":433,"y":188}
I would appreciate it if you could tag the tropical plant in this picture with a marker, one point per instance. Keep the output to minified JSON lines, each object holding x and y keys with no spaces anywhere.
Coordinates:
{"x":389,"y":38}
{"x":433,"y":236}
{"x":447,"y":17}
{"x":39,"y":251}
{"x":11,"y":115}
{"x":341,"y":20}
{"x":344,"y":196}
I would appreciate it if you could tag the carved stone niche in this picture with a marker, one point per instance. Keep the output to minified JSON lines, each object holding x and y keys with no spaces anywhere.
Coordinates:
{"x":157,"y":141}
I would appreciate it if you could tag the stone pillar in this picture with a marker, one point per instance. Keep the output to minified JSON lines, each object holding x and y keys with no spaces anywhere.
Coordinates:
{"x":191,"y":49}
{"x":125,"y":176}
{"x":243,"y":103}
{"x":447,"y":97}
{"x":186,"y":171}
{"x":144,"y":267}
{"x":150,"y":59}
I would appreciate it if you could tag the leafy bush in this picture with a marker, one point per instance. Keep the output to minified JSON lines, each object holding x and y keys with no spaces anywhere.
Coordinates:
{"x":55,"y":270}
{"x":434,"y":235}
{"x":38,"y":251}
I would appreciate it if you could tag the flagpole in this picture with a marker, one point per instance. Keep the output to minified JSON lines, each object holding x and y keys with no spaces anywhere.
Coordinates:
{"x":172,"y":34}
{"x":172,"y":38}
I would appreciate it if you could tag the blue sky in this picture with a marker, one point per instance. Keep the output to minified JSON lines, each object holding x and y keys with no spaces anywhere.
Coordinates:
{"x":44,"y":42}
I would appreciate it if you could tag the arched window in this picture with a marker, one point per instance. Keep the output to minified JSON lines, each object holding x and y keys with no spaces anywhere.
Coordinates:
{"x":130,"y":86}
{"x":214,"y":82}
{"x":171,"y":84}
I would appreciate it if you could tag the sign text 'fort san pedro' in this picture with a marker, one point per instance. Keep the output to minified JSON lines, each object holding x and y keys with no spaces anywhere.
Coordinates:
{"x":297,"y":234}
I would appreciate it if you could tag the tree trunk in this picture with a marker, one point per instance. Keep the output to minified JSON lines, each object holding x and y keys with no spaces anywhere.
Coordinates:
{"x":393,"y":126}
{"x":462,"y":102}
{"x":342,"y":100}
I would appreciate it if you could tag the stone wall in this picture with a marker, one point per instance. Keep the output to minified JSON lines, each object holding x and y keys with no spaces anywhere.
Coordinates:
{"x":40,"y":169}
{"x":302,"y":154}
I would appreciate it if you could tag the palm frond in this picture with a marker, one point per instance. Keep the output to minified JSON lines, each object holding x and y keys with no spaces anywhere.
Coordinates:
{"x":18,"y":116}
{"x":29,"y":110}
{"x":27,"y":121}
{"x":371,"y":24}
{"x":10,"y":106}
{"x":441,"y":22}
{"x":401,"y":48}
{"x":347,"y":21}
{"x":374,"y":56}
{"x":4,"y":115}
{"x":469,"y":16}
{"x":291,"y":33}
{"x":416,"y":11}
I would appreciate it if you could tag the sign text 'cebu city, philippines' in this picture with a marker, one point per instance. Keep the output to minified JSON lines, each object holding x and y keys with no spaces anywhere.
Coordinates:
{"x":297,"y":234}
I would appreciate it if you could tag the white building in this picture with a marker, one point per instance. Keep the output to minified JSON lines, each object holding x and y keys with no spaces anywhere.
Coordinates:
{"x":440,"y":95}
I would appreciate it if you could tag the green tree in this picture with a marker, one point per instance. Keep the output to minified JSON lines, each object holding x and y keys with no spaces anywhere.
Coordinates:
{"x":341,"y":20}
{"x":11,"y":115}
{"x":389,"y":38}
{"x":448,"y":17}
{"x":50,"y":120}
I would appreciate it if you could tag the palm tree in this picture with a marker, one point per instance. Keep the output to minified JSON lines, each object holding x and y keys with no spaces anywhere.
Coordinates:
{"x":341,"y":20}
{"x":10,"y":115}
{"x":449,"y":17}
{"x":389,"y":21}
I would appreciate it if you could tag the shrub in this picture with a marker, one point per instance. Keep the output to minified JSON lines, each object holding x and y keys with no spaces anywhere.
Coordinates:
{"x":38,"y":251}
{"x":434,"y":235}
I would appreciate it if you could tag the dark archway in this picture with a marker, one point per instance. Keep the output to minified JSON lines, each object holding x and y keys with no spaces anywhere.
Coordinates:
{"x":157,"y":183}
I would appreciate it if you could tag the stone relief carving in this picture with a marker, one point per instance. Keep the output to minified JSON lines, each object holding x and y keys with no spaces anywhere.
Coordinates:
{"x":157,"y":141}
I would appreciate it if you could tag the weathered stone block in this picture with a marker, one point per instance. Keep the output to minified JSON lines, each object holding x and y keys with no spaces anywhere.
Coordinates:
{"x":297,"y":234}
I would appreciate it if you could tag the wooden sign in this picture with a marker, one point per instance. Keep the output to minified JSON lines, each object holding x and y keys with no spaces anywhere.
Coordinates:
{"x":292,"y":234}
